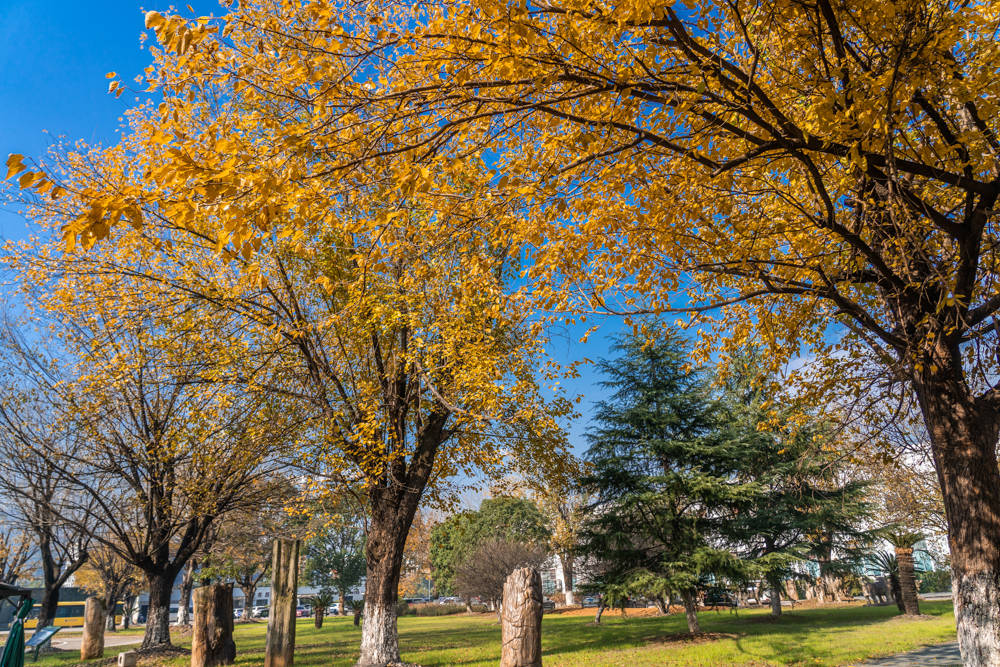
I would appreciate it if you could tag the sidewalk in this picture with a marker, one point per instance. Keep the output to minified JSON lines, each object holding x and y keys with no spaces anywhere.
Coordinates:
{"x":941,"y":655}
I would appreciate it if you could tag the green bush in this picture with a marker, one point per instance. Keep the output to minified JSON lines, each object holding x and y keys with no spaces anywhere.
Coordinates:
{"x":438,"y":609}
{"x":403,"y":609}
{"x":934,"y":581}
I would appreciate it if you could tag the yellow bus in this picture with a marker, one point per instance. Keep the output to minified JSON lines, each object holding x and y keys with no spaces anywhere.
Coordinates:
{"x":68,"y":615}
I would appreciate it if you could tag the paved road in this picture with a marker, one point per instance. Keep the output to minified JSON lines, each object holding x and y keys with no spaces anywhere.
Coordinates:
{"x":941,"y":655}
{"x":71,"y":638}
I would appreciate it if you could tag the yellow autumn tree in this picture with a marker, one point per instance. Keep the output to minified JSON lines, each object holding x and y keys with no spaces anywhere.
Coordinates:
{"x":165,"y":445}
{"x":819,"y":175}
{"x":388,"y":319}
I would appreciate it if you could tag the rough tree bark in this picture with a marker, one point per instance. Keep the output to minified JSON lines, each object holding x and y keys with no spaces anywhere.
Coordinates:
{"x":600,"y":611}
{"x":212,"y":632}
{"x":318,"y":617}
{"x":775,"y":595}
{"x":691,"y":611}
{"x":187,"y":584}
{"x":379,"y":634}
{"x":92,"y":644}
{"x":159,"y":584}
{"x":280,"y":651}
{"x":567,"y":561}
{"x":249,"y":593}
{"x":521,"y":624}
{"x":111,"y":604}
{"x":907,"y":581}
{"x":963,"y":434}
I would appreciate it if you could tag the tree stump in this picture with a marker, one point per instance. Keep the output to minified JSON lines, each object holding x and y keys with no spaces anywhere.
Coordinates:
{"x":94,"y":618}
{"x":790,"y":590}
{"x":521,"y":619}
{"x":281,"y":619}
{"x":212,"y":633}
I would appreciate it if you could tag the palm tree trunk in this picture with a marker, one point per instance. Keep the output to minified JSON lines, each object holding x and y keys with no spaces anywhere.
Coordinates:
{"x":907,"y":581}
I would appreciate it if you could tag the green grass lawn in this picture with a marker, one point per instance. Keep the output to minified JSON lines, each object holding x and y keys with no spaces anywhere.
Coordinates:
{"x":834,"y":636}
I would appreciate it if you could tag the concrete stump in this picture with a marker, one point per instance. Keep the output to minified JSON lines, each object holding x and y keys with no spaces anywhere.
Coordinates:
{"x":94,"y":618}
{"x":212,"y":632}
{"x":521,"y":619}
{"x":280,"y":643}
{"x":128,"y":659}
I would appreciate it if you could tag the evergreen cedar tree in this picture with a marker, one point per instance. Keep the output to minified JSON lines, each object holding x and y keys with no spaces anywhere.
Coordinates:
{"x":803,"y":505}
{"x":821,"y":176}
{"x":691,"y":486}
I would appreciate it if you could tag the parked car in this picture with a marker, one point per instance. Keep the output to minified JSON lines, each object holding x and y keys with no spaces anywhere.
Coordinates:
{"x":261,"y":612}
{"x":590,"y":601}
{"x":333,"y":609}
{"x":301,"y":611}
{"x":548,"y":605}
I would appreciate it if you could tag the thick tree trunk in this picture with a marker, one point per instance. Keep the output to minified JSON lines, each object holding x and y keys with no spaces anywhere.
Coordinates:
{"x":775,"y":595}
{"x":249,"y":593}
{"x":158,"y":617}
{"x":280,"y":649}
{"x":187,"y":583}
{"x":907,"y":581}
{"x":521,"y":624}
{"x":318,"y":618}
{"x":48,"y":606}
{"x":691,"y":612}
{"x":963,"y":434}
{"x":392,"y":515}
{"x":379,"y":634}
{"x":94,"y":616}
{"x":212,"y":632}
{"x":111,"y":605}
{"x":127,"y":611}
{"x":897,"y":594}
{"x":568,"y":583}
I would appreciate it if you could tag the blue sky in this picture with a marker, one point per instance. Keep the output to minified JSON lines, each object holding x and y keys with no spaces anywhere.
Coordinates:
{"x":54,"y":55}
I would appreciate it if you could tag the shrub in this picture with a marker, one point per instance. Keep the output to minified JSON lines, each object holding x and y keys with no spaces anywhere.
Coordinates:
{"x":934,"y":581}
{"x":438,"y":609}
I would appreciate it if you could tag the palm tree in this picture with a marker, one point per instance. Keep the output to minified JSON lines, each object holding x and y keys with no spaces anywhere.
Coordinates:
{"x":320,"y":601}
{"x":889,"y":564}
{"x":903,"y":542}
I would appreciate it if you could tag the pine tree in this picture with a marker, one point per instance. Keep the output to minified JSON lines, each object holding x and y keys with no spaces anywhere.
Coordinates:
{"x":800,"y":508}
{"x":661,"y":477}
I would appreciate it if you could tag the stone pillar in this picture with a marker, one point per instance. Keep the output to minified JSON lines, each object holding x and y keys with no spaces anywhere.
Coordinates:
{"x":94,"y":618}
{"x":280,"y":645}
{"x":521,"y":619}
{"x":212,"y":632}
